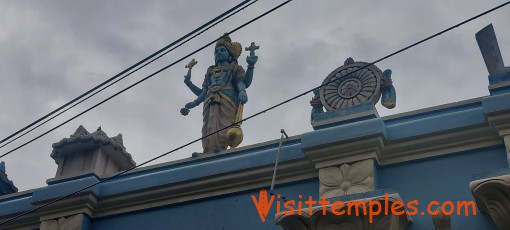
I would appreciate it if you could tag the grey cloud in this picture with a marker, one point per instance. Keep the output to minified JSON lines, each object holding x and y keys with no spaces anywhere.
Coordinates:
{"x":54,"y":51}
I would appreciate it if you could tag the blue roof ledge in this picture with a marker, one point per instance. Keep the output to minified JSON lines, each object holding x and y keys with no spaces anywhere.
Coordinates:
{"x":450,"y":128}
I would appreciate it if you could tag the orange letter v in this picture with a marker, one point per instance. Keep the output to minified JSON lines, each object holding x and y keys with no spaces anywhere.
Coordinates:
{"x":263,"y":205}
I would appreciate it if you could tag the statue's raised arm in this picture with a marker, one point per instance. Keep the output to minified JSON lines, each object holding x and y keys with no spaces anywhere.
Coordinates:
{"x":223,"y":95}
{"x":251,"y":60}
{"x":187,"y":78}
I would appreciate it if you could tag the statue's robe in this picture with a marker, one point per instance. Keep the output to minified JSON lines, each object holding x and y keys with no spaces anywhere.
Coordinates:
{"x":220,"y":105}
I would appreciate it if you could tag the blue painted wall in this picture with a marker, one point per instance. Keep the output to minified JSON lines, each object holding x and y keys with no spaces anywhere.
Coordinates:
{"x":440,"y":178}
{"x":229,"y":212}
{"x":443,"y":178}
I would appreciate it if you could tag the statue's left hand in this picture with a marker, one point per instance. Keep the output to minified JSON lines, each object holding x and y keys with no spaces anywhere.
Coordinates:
{"x":251,"y":60}
{"x":243,"y":97}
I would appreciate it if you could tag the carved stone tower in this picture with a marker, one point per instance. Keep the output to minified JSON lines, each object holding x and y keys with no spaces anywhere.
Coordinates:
{"x":6,"y":186}
{"x":84,"y":153}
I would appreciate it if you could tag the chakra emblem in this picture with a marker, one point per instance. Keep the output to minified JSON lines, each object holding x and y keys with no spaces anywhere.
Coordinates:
{"x":348,"y":86}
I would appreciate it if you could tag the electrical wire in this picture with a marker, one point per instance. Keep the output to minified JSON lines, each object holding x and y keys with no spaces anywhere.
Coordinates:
{"x":142,"y":66}
{"x":123,"y":72}
{"x":259,"y":113}
{"x":136,"y":166}
{"x":143,"y":79}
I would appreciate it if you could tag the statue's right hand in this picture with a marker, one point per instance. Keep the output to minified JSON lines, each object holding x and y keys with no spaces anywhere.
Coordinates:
{"x":251,"y":60}
{"x":187,"y":78}
{"x":190,"y":105}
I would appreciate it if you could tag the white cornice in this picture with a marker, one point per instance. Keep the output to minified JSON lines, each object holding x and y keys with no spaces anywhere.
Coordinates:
{"x":81,"y":203}
{"x":346,"y":151}
{"x":391,"y":152}
{"x":436,"y":144}
{"x":500,"y":121}
{"x":29,"y":221}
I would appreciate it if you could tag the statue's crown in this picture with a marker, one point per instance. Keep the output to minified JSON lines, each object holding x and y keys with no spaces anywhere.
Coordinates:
{"x":233,"y":48}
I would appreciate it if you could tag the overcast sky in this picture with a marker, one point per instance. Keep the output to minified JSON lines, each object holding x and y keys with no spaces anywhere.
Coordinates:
{"x":53,"y":51}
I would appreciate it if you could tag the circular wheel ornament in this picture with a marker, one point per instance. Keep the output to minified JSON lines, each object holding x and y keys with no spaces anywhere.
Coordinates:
{"x":348,"y":86}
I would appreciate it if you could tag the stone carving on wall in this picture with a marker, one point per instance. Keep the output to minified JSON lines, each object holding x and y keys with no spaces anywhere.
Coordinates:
{"x":347,"y":179}
{"x":492,"y":196}
{"x":349,"y":86}
{"x":441,"y":221}
{"x":334,"y":222}
{"x":69,"y":223}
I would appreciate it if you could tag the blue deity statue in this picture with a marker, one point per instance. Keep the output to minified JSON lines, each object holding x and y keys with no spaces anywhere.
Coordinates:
{"x":2,"y":167}
{"x":223,"y":95}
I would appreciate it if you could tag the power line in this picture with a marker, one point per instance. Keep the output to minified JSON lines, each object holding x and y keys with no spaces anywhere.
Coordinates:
{"x":123,"y":72}
{"x":256,"y":114}
{"x":143,"y":79}
{"x":142,"y":66}
{"x":128,"y":170}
